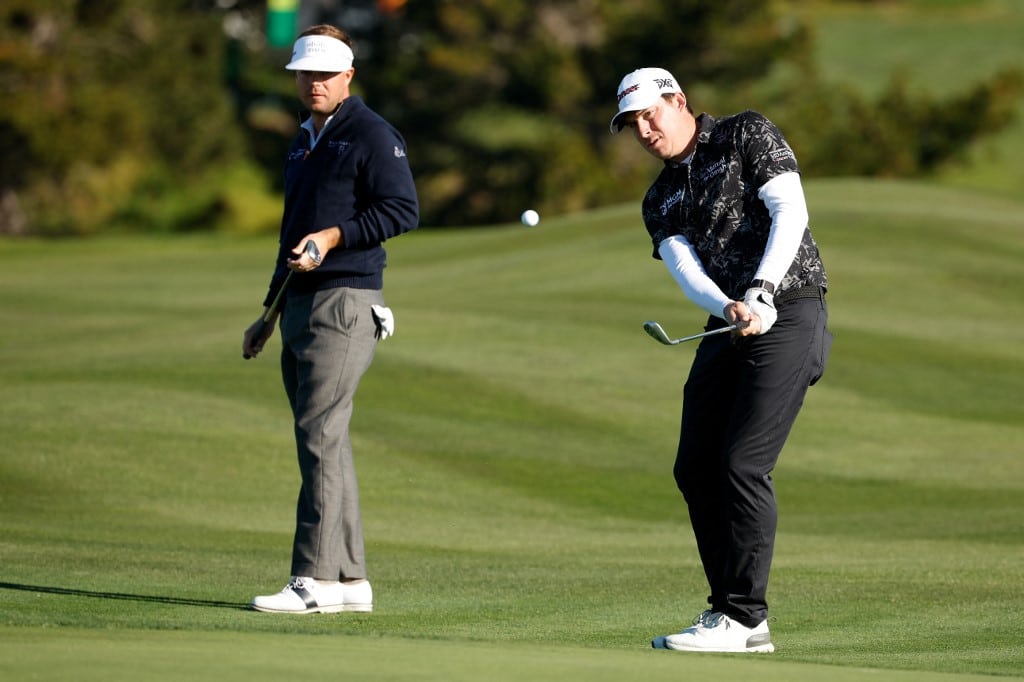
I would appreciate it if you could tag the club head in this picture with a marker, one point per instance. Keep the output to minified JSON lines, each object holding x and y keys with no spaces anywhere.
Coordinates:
{"x":312,"y":251}
{"x":657,"y":333}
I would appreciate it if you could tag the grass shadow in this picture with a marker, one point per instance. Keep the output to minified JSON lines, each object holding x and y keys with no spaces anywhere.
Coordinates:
{"x":180,"y":601}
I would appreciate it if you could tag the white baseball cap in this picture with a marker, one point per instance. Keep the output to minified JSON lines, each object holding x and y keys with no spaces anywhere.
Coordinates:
{"x":320,"y":53}
{"x":641,"y":89}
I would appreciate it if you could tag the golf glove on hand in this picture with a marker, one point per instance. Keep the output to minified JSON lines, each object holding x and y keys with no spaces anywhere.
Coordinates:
{"x":762,"y":304}
{"x":385,"y":321}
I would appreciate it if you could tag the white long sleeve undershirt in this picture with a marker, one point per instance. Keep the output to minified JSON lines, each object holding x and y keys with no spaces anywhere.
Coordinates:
{"x":682,"y":262}
{"x":784,"y":197}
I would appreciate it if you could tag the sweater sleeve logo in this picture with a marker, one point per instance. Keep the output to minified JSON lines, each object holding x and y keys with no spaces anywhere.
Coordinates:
{"x":399,"y":153}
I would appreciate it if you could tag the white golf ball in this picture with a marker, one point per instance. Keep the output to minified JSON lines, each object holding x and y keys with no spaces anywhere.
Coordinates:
{"x":530,"y":218}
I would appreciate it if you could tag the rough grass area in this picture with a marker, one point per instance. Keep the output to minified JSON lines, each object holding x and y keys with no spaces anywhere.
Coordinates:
{"x":939,"y":48}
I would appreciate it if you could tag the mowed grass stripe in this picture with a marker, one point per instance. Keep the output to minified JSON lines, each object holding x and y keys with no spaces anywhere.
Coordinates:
{"x":514,"y":442}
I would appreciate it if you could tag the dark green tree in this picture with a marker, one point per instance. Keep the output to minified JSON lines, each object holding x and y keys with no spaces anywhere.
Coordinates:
{"x":123,"y":115}
{"x":506,"y":104}
{"x":109,"y":105}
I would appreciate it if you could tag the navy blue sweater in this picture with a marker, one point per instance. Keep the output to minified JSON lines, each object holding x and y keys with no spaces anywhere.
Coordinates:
{"x":358,"y":178}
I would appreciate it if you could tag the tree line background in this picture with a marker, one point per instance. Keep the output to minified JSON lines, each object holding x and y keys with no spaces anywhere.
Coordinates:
{"x":174,"y":116}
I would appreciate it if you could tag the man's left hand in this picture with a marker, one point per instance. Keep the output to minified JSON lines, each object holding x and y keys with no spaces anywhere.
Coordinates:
{"x":762,"y":304}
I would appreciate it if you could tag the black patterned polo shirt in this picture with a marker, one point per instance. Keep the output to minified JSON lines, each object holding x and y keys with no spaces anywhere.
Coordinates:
{"x":713,"y":203}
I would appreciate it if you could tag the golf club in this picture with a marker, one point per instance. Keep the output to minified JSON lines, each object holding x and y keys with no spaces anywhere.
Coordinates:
{"x":313,"y":252}
{"x":659,"y":335}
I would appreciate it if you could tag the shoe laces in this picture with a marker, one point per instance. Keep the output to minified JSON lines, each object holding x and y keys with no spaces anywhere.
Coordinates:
{"x":704,"y":618}
{"x":297,"y":582}
{"x":715,"y":619}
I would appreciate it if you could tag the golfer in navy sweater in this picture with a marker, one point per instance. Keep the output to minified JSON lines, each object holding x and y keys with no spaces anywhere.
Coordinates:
{"x":348,"y":188}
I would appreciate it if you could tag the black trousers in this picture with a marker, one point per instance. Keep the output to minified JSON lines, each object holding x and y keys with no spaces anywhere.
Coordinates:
{"x":740,"y":401}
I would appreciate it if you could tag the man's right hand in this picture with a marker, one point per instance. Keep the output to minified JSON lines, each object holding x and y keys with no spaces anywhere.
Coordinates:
{"x":747,"y":323}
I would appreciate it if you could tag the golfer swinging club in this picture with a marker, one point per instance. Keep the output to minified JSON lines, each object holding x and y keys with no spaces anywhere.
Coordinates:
{"x":727,"y":216}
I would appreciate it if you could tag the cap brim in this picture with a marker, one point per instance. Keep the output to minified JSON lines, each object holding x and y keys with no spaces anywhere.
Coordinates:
{"x":617,"y":122}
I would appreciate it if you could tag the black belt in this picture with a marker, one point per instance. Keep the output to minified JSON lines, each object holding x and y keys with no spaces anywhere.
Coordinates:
{"x":810,"y":291}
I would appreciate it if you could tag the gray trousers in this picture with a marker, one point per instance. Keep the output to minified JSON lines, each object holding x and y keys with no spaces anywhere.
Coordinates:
{"x":740,"y":401}
{"x":328,"y":340}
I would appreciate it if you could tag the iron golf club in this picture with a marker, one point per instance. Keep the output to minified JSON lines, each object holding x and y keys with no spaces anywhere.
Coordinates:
{"x":658,"y":334}
{"x":313,"y":252}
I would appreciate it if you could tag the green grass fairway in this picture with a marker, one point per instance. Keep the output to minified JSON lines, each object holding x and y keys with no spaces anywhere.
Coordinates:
{"x":88,"y":655}
{"x":514,"y":442}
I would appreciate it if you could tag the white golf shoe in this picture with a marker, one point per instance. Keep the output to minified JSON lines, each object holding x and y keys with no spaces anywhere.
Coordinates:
{"x":717,"y":632}
{"x":306,"y":595}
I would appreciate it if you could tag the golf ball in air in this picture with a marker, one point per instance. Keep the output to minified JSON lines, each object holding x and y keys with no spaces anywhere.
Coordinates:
{"x":530,"y":218}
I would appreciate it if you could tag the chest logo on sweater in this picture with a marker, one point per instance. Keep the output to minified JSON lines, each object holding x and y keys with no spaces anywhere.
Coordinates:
{"x":713,"y":170}
{"x":671,"y":201}
{"x":338,"y":146}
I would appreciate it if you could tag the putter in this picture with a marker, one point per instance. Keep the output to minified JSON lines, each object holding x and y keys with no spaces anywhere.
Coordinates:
{"x":313,"y":252}
{"x":659,"y":335}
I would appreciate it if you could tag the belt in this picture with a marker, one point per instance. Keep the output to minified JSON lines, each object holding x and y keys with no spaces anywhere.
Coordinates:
{"x":809,"y":291}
